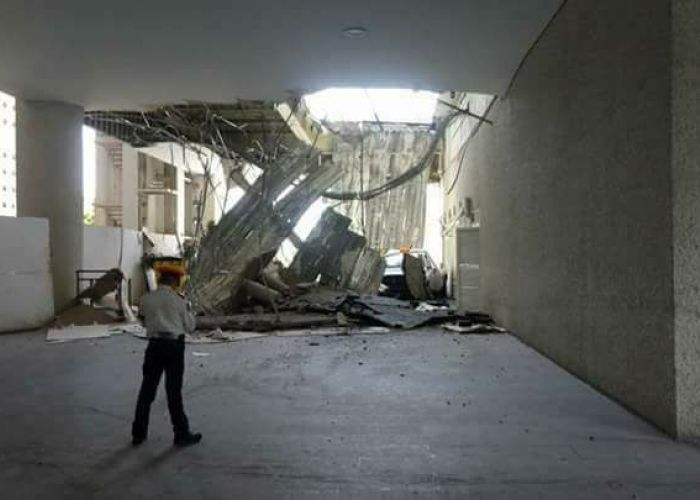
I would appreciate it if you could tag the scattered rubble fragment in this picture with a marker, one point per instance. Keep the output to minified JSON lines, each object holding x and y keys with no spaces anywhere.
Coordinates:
{"x":468,"y":327}
{"x":415,"y":277}
{"x":95,"y":331}
{"x":109,"y":282}
{"x":336,"y":257}
{"x":71,"y":333}
{"x":368,"y":308}
{"x":395,"y":313}
{"x":85,"y":315}
{"x":265,"y":322}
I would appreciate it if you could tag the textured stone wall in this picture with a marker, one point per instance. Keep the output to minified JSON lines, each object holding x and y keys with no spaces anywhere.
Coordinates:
{"x":573,"y":188}
{"x":686,"y":215}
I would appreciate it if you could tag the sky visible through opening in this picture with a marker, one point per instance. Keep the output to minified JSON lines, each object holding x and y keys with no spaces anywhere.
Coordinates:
{"x":369,"y":105}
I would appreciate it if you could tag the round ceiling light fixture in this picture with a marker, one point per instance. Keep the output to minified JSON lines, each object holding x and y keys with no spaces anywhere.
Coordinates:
{"x":355,"y":32}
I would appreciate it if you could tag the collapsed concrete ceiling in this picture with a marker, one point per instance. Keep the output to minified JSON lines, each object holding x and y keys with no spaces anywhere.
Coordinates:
{"x":121,"y":55}
{"x":248,"y":129}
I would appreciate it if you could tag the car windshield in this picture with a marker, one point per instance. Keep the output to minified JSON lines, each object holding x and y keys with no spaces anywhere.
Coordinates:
{"x":394,"y":260}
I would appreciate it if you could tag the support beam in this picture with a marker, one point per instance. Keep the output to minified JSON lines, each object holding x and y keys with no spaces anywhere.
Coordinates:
{"x":50,"y":183}
{"x":180,"y":202}
{"x":130,"y":187}
{"x":304,"y":127}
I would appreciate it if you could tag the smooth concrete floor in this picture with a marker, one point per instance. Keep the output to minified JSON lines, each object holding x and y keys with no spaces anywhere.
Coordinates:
{"x":418,"y":414}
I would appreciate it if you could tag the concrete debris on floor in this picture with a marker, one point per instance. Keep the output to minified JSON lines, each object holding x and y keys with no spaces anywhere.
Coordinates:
{"x":319,"y":312}
{"x":465,"y":328}
{"x":95,"y":331}
{"x":213,"y":330}
{"x":238,"y":271}
{"x":265,"y":322}
{"x":395,"y":313}
{"x":85,"y":315}
{"x":240,"y":278}
{"x":219,"y":336}
{"x":387,"y":311}
{"x":71,"y":333}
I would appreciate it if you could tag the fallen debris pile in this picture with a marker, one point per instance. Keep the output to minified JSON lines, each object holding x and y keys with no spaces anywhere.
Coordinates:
{"x":320,"y":312}
{"x":373,"y":309}
{"x":265,"y":322}
{"x":239,"y":277}
{"x":85,"y":315}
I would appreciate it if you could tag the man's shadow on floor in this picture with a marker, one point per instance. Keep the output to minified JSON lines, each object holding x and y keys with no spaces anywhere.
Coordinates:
{"x":124,"y":466}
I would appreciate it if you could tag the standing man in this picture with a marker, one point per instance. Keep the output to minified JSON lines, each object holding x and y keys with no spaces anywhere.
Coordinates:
{"x":168,"y":317}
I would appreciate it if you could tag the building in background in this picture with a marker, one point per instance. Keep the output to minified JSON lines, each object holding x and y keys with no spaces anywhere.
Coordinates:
{"x":8,"y":167}
{"x":159,"y":188}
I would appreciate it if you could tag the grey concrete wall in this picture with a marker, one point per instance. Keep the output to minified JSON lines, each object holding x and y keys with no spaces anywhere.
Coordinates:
{"x":686,"y":214}
{"x":575,"y":201}
{"x":26,"y":295}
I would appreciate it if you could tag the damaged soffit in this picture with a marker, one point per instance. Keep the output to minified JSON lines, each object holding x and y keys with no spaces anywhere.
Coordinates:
{"x":252,"y":130}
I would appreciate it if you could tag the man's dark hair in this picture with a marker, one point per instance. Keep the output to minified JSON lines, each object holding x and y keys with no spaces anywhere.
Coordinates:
{"x":169,"y":279}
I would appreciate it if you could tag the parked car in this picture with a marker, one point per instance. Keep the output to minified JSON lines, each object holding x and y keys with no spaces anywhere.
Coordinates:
{"x":394,"y":281}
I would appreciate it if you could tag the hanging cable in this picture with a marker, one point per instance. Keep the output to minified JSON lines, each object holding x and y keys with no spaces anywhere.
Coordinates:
{"x":465,"y":146}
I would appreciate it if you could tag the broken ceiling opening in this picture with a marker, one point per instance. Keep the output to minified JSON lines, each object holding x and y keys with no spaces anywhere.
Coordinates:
{"x":373,"y":105}
{"x":364,"y":185}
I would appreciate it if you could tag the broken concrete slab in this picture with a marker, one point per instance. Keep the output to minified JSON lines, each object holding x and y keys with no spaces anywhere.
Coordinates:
{"x":319,"y":255}
{"x":368,"y":271}
{"x":261,"y":293}
{"x":251,"y":232}
{"x":395,"y":313}
{"x":414,"y":275}
{"x":336,"y":257}
{"x":391,"y":312}
{"x":318,"y":300}
{"x":265,"y":322}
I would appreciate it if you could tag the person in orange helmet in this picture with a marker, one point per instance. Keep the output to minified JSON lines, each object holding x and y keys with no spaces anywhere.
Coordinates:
{"x":168,"y":317}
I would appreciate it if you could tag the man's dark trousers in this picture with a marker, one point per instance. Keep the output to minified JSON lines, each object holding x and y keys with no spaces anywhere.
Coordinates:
{"x":162,"y":355}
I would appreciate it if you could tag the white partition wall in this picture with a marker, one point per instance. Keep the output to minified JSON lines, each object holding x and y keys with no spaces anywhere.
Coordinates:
{"x":26,"y":295}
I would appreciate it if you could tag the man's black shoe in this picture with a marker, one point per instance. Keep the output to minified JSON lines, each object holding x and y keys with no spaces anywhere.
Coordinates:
{"x":137,"y":440}
{"x":188,"y":439}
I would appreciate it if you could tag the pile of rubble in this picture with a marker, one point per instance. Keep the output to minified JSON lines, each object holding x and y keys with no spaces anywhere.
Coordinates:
{"x":323,"y":308}
{"x":236,"y":281}
{"x":237,"y":284}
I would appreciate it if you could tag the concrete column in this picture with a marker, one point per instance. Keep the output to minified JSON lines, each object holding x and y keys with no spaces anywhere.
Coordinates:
{"x":685,"y":156}
{"x":50,"y":183}
{"x":180,"y":210}
{"x":130,"y":188}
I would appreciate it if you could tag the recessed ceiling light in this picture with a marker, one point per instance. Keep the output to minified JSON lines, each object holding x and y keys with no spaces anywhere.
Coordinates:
{"x":355,"y":32}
